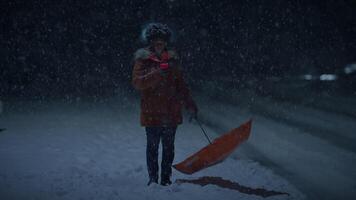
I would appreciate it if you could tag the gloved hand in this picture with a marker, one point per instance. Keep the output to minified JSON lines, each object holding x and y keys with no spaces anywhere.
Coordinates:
{"x":193,"y":114}
{"x":164,"y":67}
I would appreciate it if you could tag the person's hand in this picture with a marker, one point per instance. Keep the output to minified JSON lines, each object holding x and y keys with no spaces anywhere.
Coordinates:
{"x":193,"y":114}
{"x":164,"y":68}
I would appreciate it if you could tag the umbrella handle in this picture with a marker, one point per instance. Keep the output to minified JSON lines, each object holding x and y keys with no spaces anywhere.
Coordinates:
{"x":203,"y":130}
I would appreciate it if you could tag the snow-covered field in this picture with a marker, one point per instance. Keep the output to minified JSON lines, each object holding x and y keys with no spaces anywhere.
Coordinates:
{"x":83,"y":150}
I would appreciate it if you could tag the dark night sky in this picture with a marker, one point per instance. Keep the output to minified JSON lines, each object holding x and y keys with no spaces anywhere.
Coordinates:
{"x":51,"y":48}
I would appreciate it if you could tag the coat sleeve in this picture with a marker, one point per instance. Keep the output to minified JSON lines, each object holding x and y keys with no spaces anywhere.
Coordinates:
{"x":185,"y":93}
{"x":143,"y":78}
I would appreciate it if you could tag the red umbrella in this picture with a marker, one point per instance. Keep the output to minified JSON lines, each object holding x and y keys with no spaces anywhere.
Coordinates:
{"x":216,"y":151}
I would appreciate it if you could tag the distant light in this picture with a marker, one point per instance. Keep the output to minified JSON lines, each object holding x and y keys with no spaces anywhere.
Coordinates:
{"x":350,"y":68}
{"x":328,"y":77}
{"x":307,"y":77}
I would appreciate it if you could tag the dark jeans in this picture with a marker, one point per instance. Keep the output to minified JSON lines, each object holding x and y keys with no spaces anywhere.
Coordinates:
{"x":154,"y":135}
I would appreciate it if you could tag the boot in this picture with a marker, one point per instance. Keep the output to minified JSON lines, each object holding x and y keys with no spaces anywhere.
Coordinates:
{"x":152,"y":180}
{"x":165,"y":181}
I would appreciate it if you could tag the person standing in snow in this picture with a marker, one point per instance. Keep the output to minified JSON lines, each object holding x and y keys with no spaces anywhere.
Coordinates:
{"x":158,"y":77}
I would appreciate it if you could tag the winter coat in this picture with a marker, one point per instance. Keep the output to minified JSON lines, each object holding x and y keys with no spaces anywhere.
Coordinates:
{"x":162,"y":94}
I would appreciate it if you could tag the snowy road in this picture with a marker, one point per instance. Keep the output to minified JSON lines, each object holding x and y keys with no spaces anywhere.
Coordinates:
{"x":311,"y":148}
{"x":97,"y":151}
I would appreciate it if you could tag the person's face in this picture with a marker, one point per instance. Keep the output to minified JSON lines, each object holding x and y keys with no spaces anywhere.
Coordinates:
{"x":159,"y":45}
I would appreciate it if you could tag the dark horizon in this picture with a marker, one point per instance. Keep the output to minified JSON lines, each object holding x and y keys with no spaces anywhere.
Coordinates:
{"x":86,"y":48}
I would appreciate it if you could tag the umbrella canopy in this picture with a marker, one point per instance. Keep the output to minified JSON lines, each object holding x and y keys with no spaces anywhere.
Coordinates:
{"x":217,"y":151}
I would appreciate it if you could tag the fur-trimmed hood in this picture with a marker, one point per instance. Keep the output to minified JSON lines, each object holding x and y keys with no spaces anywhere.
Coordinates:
{"x":145,"y":53}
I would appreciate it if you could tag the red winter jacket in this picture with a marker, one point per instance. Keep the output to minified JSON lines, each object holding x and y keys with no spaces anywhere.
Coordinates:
{"x":162,"y":95}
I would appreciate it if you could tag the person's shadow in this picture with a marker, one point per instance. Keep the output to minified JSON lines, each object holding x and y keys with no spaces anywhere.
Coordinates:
{"x":218,"y":181}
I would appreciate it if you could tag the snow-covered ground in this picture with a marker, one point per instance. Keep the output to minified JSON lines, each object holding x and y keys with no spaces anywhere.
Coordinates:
{"x":313,"y":149}
{"x":86,"y":150}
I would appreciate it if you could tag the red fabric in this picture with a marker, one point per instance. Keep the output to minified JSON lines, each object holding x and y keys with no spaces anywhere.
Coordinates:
{"x":164,"y":66}
{"x":162,"y":96}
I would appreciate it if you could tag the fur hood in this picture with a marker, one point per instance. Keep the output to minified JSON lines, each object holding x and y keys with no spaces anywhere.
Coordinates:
{"x":145,"y":53}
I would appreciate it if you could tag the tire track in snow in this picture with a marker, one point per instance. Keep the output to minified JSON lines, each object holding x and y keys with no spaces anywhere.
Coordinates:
{"x":343,"y":142}
{"x":253,"y":153}
{"x":344,"y":139}
{"x":309,"y":184}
